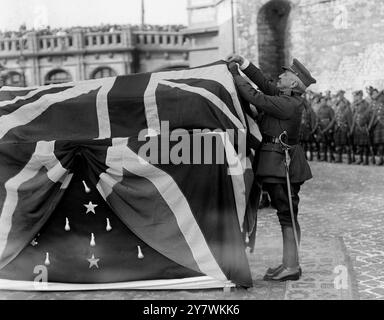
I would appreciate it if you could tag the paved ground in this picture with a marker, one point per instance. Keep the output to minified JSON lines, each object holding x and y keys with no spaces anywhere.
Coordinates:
{"x":342,"y":218}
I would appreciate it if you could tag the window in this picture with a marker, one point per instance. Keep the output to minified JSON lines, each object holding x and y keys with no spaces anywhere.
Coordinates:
{"x":13,"y":79}
{"x":103,"y":72}
{"x":58,"y":76}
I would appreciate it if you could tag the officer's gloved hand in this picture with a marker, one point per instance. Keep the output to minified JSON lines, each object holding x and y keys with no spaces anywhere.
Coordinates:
{"x":234,"y":68}
{"x":235,"y":58}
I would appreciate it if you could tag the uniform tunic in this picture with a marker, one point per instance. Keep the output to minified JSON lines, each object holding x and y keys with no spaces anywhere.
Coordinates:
{"x":326,"y":115}
{"x":282,"y":112}
{"x":343,"y":123}
{"x":308,"y":122}
{"x":378,"y":123}
{"x":361,"y":121}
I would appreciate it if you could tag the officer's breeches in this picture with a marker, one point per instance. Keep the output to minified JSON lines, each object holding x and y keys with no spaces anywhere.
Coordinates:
{"x":278,"y":193}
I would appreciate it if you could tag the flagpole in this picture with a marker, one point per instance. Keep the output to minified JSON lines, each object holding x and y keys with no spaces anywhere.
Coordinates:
{"x":233,"y":27}
{"x":142,"y":14}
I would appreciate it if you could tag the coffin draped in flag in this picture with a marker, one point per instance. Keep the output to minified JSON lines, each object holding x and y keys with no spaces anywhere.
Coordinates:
{"x":84,"y":207}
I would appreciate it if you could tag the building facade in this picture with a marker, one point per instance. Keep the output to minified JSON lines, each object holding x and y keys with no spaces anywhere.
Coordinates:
{"x":341,"y":41}
{"x":44,"y":59}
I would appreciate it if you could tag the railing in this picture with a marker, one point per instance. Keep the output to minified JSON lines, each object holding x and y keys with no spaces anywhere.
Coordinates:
{"x":160,"y":39}
{"x":103,"y":39}
{"x":54,"y":43}
{"x":13,"y":44}
{"x":79,"y":40}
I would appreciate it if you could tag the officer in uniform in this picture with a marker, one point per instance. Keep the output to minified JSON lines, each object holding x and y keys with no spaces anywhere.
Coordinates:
{"x":326,"y":117}
{"x":376,"y":125}
{"x":360,"y":125}
{"x":282,"y":106}
{"x":343,"y":124}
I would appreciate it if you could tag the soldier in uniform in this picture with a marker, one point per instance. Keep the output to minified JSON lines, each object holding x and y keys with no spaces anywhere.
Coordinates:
{"x":326,"y":117}
{"x":343,"y":124}
{"x":282,"y":105}
{"x":359,"y":129}
{"x":315,"y":104}
{"x":308,"y":127}
{"x":376,"y":124}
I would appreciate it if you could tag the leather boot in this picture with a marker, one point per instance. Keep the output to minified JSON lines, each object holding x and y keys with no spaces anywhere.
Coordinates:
{"x":291,"y":269}
{"x":290,"y":254}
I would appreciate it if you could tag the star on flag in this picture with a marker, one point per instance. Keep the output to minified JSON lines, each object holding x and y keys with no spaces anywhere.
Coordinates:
{"x":93,"y":262}
{"x":90,"y":207}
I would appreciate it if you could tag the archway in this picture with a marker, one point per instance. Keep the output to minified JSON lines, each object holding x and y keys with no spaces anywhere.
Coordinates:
{"x":57,"y":76}
{"x":103,"y":72}
{"x":272,"y":22}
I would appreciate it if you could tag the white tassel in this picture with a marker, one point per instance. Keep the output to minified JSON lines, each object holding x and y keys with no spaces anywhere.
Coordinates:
{"x":87,"y":190}
{"x":47,"y":262}
{"x":140,"y":254}
{"x":67,"y":227}
{"x":108,"y":228}
{"x":246,"y":238}
{"x":34,"y":243}
{"x":92,"y":243}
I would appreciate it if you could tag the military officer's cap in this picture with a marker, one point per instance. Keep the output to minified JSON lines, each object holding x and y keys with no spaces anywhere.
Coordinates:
{"x":301,"y":72}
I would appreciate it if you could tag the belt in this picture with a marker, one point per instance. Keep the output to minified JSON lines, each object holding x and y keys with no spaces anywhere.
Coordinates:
{"x":271,"y":139}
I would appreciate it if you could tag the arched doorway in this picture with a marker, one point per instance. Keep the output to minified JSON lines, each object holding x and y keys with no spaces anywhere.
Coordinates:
{"x":57,"y":76}
{"x":103,"y":72}
{"x":272,"y":22}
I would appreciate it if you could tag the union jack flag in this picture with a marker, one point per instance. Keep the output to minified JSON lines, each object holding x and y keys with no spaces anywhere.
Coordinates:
{"x":152,"y":221}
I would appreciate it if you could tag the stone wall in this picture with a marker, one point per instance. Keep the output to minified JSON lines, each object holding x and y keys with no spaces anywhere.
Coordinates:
{"x":341,"y":41}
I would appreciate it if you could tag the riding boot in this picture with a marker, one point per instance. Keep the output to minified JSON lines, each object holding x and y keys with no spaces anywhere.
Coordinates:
{"x":291,"y":269}
{"x":290,"y":253}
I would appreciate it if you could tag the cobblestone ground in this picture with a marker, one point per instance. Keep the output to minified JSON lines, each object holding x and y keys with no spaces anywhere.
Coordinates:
{"x":342,"y":219}
{"x":347,"y":202}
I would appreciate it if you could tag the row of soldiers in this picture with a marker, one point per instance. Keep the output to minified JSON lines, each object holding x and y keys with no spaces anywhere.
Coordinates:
{"x":332,"y":126}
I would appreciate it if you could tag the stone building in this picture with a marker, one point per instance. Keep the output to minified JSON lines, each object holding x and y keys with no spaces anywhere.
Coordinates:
{"x":341,"y":41}
{"x":79,"y":55}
